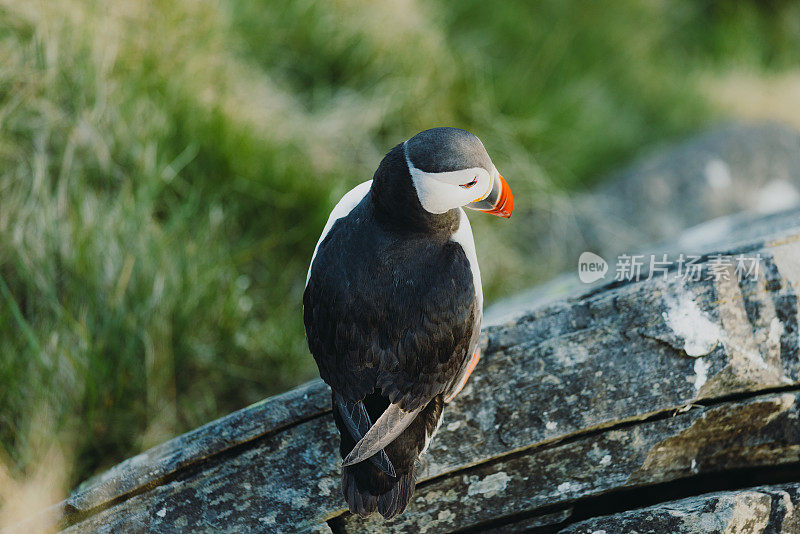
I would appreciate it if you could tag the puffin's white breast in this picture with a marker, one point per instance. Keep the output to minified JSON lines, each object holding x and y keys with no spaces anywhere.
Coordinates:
{"x":463,"y":236}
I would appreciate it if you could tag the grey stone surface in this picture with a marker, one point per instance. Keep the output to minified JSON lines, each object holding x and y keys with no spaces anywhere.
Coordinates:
{"x":258,"y":420}
{"x":721,"y":234}
{"x":630,"y":385}
{"x":727,"y":170}
{"x":763,"y":510}
{"x":732,"y":169}
{"x":727,"y":437}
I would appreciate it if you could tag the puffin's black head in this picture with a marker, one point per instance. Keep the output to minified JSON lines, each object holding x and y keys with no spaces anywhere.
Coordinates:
{"x":446,"y":149}
{"x":421,"y":182}
{"x":450,"y":168}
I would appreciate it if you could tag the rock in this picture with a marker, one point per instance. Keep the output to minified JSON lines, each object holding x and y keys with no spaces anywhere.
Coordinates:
{"x":731,"y":169}
{"x":687,"y":198}
{"x":665,"y":449}
{"x":618,"y":400}
{"x":766,"y":509}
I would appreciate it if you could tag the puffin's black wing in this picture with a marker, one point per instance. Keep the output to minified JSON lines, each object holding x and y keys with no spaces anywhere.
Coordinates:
{"x":355,"y":417}
{"x":389,"y":312}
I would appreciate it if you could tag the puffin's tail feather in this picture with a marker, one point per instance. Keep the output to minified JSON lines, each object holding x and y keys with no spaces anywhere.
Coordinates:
{"x":389,"y":504}
{"x":395,"y":500}
{"x":360,"y":502}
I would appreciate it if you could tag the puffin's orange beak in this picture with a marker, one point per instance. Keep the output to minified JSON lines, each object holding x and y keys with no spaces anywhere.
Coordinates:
{"x":499,"y":201}
{"x":505,"y":202}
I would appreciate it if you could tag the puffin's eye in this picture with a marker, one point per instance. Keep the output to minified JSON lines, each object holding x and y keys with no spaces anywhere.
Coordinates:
{"x":470,"y":184}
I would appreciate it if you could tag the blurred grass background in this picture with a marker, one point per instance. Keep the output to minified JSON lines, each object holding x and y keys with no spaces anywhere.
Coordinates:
{"x":166,"y":168}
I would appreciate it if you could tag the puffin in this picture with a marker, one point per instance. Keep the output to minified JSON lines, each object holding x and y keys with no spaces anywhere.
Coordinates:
{"x":393,"y":304}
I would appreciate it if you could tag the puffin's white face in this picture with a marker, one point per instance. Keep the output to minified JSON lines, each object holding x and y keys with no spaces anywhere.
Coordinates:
{"x":474,"y":187}
{"x":440,"y":192}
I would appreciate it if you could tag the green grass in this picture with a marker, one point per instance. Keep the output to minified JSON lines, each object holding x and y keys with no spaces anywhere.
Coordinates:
{"x":166,"y":168}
